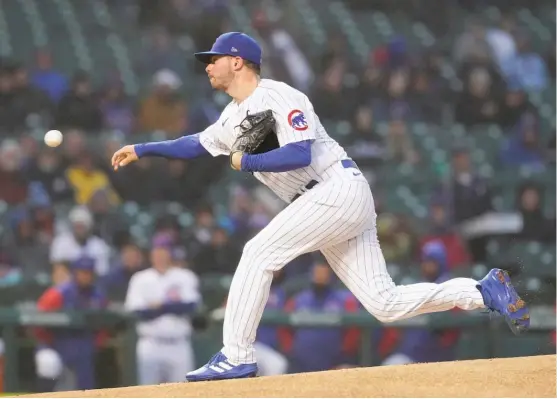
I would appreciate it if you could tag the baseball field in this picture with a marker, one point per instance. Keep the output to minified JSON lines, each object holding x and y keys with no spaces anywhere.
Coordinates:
{"x":513,"y":377}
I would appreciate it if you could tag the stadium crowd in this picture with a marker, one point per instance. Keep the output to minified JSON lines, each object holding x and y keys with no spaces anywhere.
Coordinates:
{"x":59,"y":204}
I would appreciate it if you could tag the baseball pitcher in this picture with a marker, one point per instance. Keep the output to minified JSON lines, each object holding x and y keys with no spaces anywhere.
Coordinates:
{"x":271,"y":130}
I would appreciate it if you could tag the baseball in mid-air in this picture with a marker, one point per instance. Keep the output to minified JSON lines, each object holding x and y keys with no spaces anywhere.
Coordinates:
{"x":53,"y":138}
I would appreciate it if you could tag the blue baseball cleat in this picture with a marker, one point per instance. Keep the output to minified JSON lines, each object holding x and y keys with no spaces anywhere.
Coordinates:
{"x":219,"y":368}
{"x":500,"y":296}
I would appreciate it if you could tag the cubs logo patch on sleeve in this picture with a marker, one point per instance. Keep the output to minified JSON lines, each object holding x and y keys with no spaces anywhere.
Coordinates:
{"x":297,"y":120}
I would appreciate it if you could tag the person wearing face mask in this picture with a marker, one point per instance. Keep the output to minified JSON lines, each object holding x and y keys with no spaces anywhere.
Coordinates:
{"x":79,"y":108}
{"x":79,"y":241}
{"x":49,"y":170}
{"x":318,"y":349}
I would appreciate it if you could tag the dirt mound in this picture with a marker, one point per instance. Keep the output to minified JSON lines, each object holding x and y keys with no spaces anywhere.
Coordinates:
{"x":514,"y":377}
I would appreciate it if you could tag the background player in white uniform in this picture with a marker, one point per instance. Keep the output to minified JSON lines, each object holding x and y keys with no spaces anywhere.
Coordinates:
{"x":163,"y":296}
{"x":331,"y":209}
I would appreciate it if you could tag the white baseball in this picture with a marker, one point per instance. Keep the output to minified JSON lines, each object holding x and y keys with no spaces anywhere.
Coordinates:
{"x":53,"y":138}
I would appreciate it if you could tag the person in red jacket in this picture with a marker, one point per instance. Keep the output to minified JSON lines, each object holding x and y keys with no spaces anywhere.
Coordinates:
{"x":69,"y":350}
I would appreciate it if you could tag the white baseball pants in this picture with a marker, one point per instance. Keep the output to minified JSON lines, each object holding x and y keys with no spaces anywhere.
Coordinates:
{"x":161,"y":362}
{"x":338,"y":218}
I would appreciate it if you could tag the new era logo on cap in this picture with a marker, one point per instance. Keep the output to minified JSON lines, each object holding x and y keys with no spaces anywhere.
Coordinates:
{"x":236,"y":44}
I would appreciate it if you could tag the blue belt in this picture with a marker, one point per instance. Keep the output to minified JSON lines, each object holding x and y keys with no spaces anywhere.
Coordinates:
{"x":346,"y":164}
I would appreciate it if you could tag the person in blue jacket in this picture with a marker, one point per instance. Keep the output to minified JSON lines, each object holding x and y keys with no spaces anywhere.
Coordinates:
{"x":72,"y":350}
{"x":318,"y":349}
{"x":424,"y":345}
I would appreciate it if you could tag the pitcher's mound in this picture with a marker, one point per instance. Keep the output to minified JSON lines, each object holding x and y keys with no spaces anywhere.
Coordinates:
{"x":513,"y":377}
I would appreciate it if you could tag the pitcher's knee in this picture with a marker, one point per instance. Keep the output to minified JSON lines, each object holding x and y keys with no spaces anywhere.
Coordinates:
{"x":256,"y":254}
{"x":381,"y":309}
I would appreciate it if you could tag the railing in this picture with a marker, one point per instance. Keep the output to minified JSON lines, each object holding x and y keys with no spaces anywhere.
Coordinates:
{"x":542,"y":317}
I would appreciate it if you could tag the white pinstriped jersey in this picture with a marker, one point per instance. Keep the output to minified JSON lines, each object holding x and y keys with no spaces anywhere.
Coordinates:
{"x":296,"y":121}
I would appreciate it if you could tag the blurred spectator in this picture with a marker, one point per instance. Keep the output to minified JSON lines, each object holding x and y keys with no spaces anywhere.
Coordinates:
{"x":400,"y":148}
{"x":163,"y":109}
{"x":373,"y":75}
{"x":269,"y":339}
{"x":117,"y":109}
{"x":73,"y":146}
{"x":79,"y":108}
{"x":283,"y":55}
{"x":146,"y":171}
{"x":30,"y":235}
{"x":163,"y":297}
{"x":425,"y":345}
{"x":397,"y":241}
{"x":13,"y":185}
{"x":86,"y":179}
{"x":325,"y":348}
{"x":501,"y":41}
{"x":107,"y":221}
{"x":530,"y":204}
{"x":177,"y":183}
{"x":514,"y":105}
{"x":329,"y":94}
{"x":478,"y":103}
{"x":48,"y":168}
{"x":8,"y":116}
{"x":61,"y":351}
{"x":46,"y":78}
{"x":524,"y":147}
{"x":201,"y":233}
{"x":10,"y":274}
{"x":527,"y":67}
{"x":364,"y":144}
{"x":472,"y":43}
{"x":78,"y":241}
{"x":218,"y":256}
{"x":160,"y":52}
{"x":336,"y":49}
{"x":240,"y":208}
{"x":394,"y":103}
{"x":425,"y":96}
{"x":467,"y":195}
{"x":398,"y":52}
{"x":29,"y":100}
{"x":130,"y":261}
{"x":61,"y":273}
{"x":441,"y":230}
{"x":30,"y":147}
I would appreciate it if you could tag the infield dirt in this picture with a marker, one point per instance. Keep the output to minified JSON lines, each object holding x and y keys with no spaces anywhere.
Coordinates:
{"x":513,"y":377}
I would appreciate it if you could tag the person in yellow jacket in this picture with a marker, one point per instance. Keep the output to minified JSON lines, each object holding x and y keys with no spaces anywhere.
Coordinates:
{"x":86,"y":179}
{"x":163,"y":109}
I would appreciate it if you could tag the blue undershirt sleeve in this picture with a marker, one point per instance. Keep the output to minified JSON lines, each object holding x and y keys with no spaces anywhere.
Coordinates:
{"x":186,"y":147}
{"x":289,"y":157}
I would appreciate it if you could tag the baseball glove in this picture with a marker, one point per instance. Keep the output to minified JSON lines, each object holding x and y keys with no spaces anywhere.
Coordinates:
{"x":257,"y":131}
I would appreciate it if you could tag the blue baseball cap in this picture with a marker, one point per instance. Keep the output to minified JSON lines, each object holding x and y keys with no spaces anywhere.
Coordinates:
{"x":235,"y":44}
{"x":84,"y":263}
